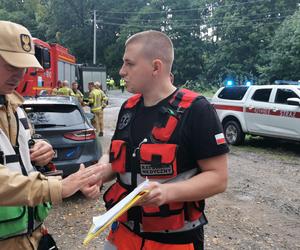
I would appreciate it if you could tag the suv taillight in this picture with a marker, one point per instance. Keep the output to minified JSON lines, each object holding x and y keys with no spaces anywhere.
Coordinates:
{"x":81,"y":135}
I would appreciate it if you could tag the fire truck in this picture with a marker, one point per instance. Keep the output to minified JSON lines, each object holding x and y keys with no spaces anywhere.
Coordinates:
{"x":58,"y":64}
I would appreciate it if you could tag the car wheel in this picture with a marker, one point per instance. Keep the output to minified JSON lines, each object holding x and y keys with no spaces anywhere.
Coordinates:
{"x":233,"y":133}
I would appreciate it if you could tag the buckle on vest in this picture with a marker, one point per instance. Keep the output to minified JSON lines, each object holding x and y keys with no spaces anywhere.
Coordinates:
{"x":115,"y":226}
{"x":180,"y":110}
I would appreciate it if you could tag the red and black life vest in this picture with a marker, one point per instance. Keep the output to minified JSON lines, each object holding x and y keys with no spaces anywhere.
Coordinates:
{"x":156,"y":159}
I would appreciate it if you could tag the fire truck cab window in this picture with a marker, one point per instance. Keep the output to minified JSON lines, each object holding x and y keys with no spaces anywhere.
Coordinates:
{"x":38,"y":54}
{"x":46,"y":59}
{"x":262,"y":95}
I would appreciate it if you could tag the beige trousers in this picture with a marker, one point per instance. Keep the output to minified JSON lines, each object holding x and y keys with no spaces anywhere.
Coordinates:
{"x":97,"y":122}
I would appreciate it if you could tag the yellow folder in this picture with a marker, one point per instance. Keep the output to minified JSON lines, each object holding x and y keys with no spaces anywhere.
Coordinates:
{"x":100,"y":223}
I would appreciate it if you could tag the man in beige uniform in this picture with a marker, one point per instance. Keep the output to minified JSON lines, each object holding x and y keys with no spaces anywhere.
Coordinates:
{"x":22,"y":188}
{"x":97,"y":102}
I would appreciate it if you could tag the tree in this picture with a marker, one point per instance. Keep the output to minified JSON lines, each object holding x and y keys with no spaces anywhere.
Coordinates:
{"x":213,"y":39}
{"x":28,"y":13}
{"x":244,"y":30}
{"x":284,"y":53}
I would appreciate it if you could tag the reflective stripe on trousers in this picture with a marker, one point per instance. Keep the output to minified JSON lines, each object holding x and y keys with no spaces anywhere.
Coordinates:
{"x":123,"y":239}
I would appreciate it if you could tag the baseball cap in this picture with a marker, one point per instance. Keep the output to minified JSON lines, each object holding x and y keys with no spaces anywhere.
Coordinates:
{"x":16,"y":46}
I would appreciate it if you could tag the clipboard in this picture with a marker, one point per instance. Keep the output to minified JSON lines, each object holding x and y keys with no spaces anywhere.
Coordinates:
{"x":101,"y":222}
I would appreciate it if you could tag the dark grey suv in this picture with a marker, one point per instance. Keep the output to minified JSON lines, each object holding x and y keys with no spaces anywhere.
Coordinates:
{"x":61,"y":120}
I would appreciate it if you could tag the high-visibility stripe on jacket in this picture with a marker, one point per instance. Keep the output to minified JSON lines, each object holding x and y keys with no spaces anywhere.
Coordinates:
{"x":122,"y":82}
{"x":19,"y":220}
{"x":156,"y":161}
{"x":111,"y":82}
{"x":78,"y":94}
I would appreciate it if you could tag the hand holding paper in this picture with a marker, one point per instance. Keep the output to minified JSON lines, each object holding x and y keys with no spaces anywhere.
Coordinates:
{"x":101,"y":222}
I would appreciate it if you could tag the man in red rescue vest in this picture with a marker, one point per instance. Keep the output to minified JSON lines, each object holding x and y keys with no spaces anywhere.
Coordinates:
{"x":174,"y":138}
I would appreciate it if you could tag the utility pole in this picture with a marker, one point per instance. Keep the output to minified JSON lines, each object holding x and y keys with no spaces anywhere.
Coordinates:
{"x":95,"y":30}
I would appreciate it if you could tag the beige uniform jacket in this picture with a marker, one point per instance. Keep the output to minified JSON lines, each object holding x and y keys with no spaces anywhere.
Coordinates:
{"x":16,"y":189}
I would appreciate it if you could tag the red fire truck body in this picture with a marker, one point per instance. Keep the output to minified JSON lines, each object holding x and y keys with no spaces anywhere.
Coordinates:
{"x":58,"y":64}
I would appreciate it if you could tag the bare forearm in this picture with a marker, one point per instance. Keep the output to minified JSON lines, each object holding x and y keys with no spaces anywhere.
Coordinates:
{"x":211,"y":181}
{"x":108,"y":173}
{"x":199,"y":187}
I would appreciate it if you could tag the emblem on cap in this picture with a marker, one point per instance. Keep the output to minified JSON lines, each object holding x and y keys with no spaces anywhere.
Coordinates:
{"x":25,"y":42}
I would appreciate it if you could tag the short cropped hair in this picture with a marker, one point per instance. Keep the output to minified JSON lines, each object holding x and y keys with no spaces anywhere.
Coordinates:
{"x":65,"y":83}
{"x":156,"y":45}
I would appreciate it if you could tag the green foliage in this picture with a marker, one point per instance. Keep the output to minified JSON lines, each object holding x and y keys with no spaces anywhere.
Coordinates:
{"x":213,"y":39}
{"x":284,"y":54}
{"x":244,"y":31}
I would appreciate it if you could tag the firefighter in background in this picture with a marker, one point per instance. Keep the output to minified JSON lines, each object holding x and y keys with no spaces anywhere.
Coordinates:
{"x":77,"y":92}
{"x":174,"y":138}
{"x":65,"y":89}
{"x":107,"y":82}
{"x":110,"y":82}
{"x":97,"y":102}
{"x":58,"y":86}
{"x":24,"y":192}
{"x":98,"y":85}
{"x":122,"y":84}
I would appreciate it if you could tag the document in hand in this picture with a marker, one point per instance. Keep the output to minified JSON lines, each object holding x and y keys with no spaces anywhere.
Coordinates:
{"x":103,"y":221}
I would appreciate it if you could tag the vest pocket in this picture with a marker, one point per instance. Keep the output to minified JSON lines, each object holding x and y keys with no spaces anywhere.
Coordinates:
{"x":158,"y":160}
{"x":194,"y":210}
{"x":113,"y":195}
{"x":42,"y":211}
{"x":166,"y":217}
{"x":164,"y":134}
{"x":13,"y":220}
{"x":117,"y":155}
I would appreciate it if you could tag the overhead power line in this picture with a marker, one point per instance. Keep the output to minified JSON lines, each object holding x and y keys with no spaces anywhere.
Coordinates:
{"x":265,"y":15}
{"x":208,"y":24}
{"x":181,"y":10}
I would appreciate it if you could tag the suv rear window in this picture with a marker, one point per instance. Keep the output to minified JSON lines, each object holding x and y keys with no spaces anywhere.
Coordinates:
{"x":262,"y":95}
{"x":233,"y":93}
{"x":283,"y":94}
{"x":42,"y":115}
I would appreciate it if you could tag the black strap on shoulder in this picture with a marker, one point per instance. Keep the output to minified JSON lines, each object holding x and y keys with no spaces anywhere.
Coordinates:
{"x":182,"y":100}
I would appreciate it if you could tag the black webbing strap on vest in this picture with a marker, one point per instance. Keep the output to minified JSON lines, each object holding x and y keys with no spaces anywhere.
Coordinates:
{"x":177,"y":99}
{"x":5,"y":159}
